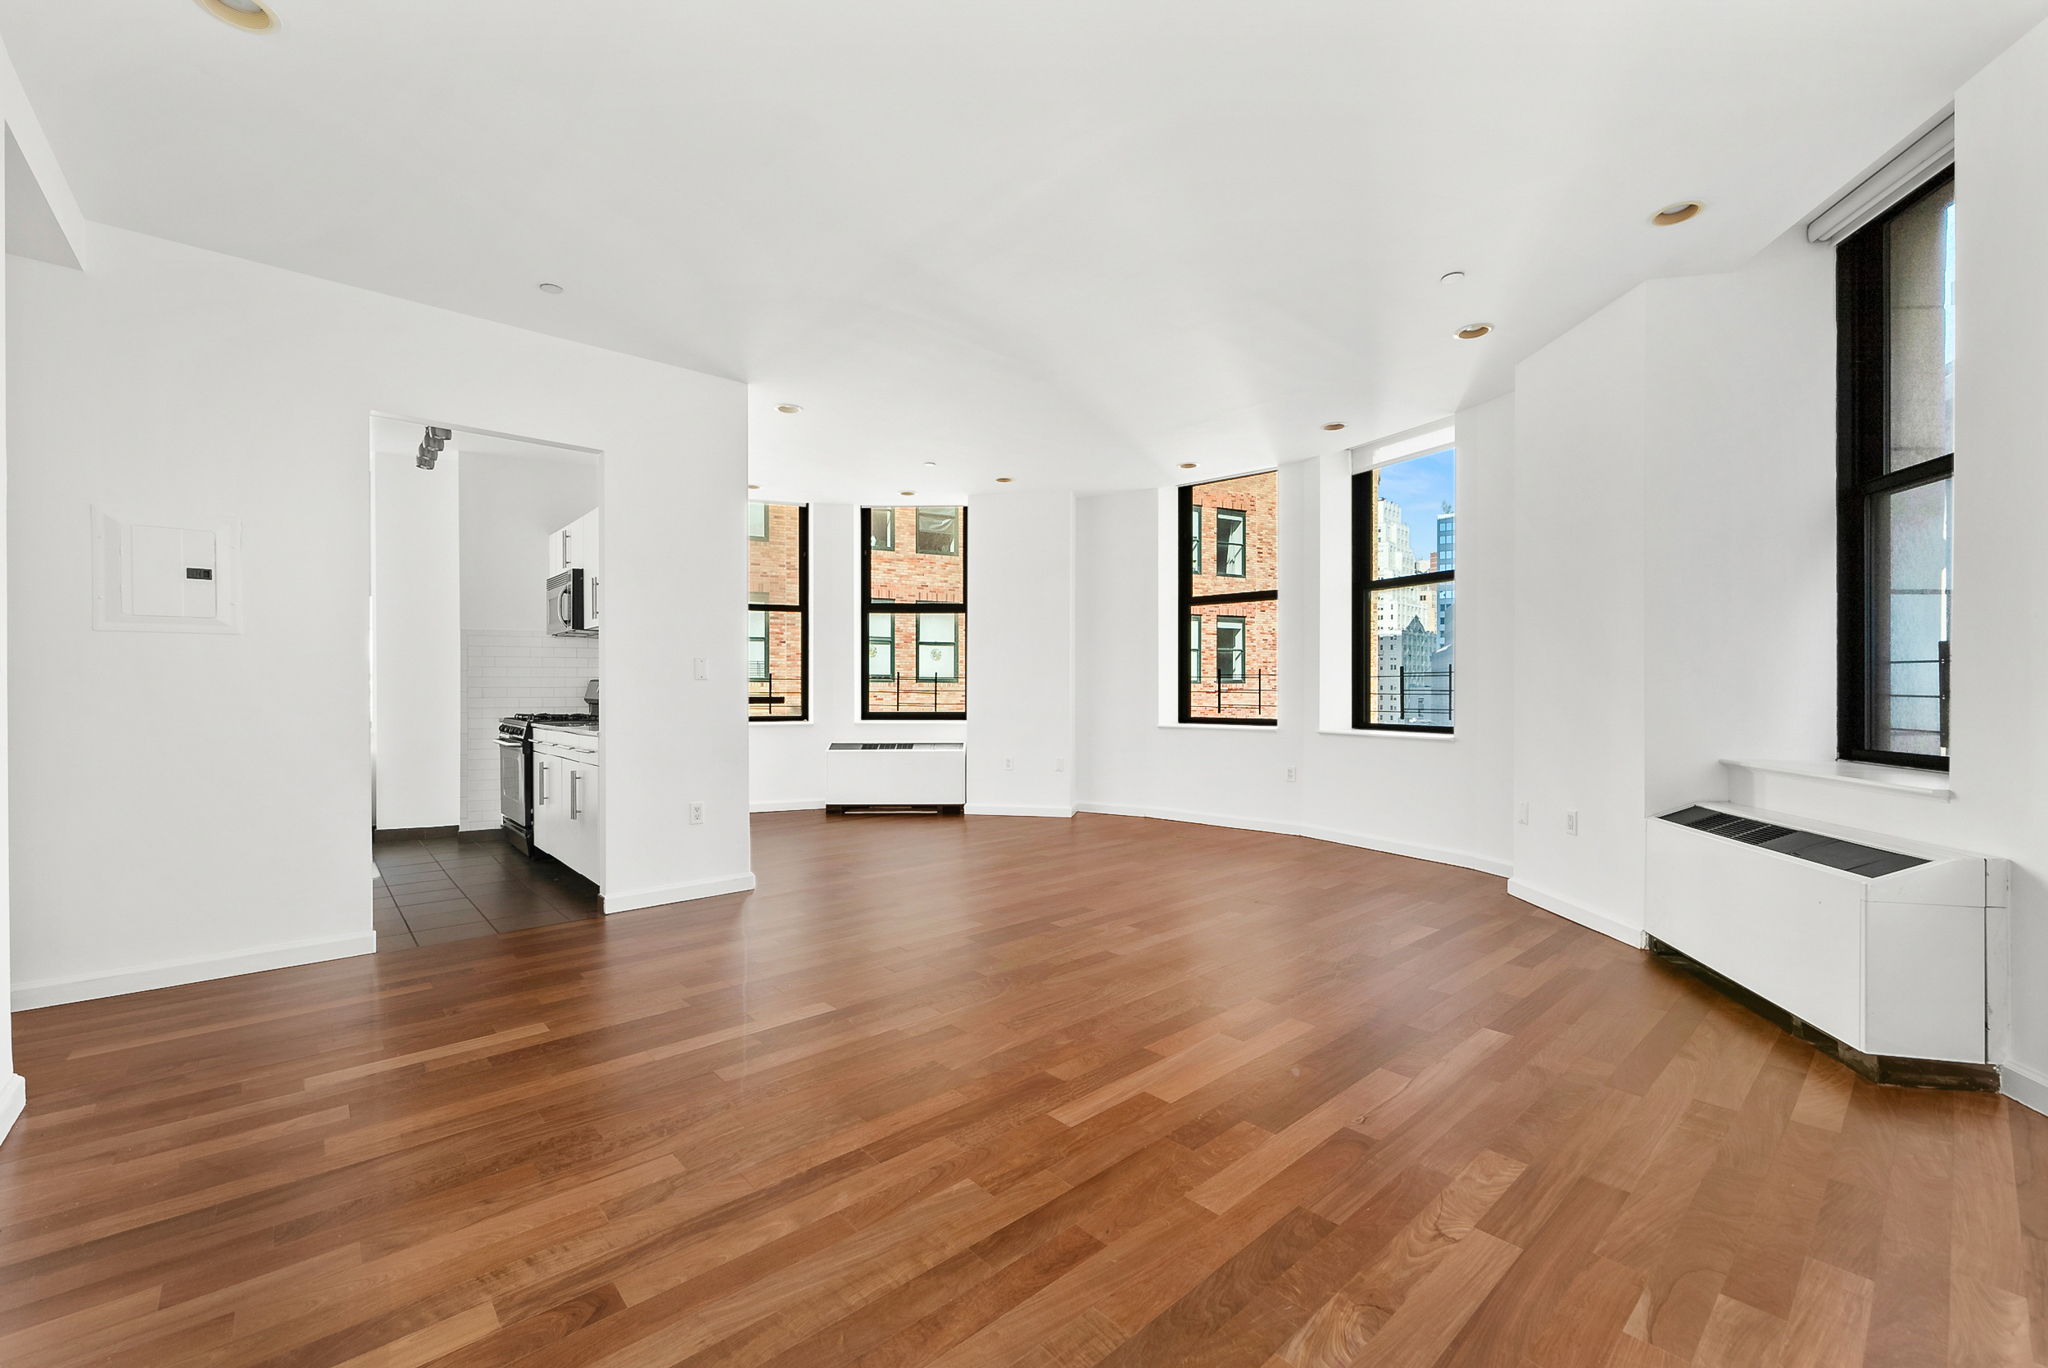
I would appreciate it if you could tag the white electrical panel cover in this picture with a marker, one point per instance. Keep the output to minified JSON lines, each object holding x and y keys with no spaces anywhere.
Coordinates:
{"x":152,"y":576}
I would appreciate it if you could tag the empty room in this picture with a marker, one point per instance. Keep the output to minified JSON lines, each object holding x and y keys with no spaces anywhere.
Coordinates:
{"x":1009,"y":685}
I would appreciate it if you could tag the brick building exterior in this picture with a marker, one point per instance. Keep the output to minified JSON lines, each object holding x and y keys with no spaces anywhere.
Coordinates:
{"x":916,"y":662}
{"x":775,"y":662}
{"x":1234,"y":655}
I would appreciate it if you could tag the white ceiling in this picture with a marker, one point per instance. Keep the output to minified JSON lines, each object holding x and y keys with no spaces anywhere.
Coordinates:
{"x":1072,"y":241}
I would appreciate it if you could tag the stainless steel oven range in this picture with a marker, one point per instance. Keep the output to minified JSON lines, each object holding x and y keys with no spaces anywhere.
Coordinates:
{"x":515,"y":768}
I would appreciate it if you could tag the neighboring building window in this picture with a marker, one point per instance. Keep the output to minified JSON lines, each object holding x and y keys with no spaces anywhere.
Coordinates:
{"x":881,"y":645}
{"x":1233,"y":601}
{"x":938,"y":531}
{"x":1230,"y":649}
{"x":778,"y":620}
{"x":1404,"y":594}
{"x":1230,"y":542}
{"x":757,"y":645}
{"x":1895,"y":401}
{"x":915,"y":602}
{"x":938,"y":651}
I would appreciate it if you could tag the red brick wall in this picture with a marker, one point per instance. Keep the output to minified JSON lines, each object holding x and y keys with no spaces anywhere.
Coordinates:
{"x":1258,"y":695}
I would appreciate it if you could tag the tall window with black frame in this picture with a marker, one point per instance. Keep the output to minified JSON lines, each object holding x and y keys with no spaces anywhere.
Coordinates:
{"x":778,"y":624}
{"x":1404,"y":594}
{"x":1230,"y":600}
{"x":914,"y":609}
{"x":1895,"y":395}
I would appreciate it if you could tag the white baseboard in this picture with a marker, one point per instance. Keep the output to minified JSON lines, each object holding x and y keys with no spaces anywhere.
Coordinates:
{"x":2028,"y":1087}
{"x":13,"y":1097}
{"x":1017,"y":810}
{"x":170,"y":973}
{"x":1463,"y":859}
{"x":1595,"y":921}
{"x":788,"y":805}
{"x":661,"y":897}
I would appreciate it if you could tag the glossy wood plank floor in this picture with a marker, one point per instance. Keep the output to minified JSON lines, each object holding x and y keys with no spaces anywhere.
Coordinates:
{"x":1004,"y":1091}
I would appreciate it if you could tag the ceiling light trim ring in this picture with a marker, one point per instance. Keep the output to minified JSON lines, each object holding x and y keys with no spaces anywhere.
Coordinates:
{"x":257,"y":19}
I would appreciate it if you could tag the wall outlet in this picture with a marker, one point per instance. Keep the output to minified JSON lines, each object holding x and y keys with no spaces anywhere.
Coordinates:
{"x":698,"y":669}
{"x":1059,"y":766}
{"x":1009,"y":763}
{"x":1522,"y":813}
{"x":1571,"y":822}
{"x":1290,"y":774}
{"x":696,"y":814}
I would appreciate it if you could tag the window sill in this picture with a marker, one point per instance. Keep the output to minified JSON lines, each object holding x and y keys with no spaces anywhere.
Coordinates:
{"x":1891,"y":778}
{"x":1387,"y":733}
{"x":1255,"y":728}
{"x":785,"y":721}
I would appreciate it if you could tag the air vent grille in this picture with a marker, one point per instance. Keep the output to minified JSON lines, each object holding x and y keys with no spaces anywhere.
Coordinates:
{"x":1868,"y":861}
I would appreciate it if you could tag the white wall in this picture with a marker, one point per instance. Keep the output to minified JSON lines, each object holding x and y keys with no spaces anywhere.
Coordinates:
{"x":50,"y":225}
{"x":236,"y":768}
{"x":511,"y":503}
{"x":416,"y":640}
{"x":1436,"y":797}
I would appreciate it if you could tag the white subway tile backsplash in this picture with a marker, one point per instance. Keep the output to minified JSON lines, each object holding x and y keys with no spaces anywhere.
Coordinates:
{"x":505,"y":673}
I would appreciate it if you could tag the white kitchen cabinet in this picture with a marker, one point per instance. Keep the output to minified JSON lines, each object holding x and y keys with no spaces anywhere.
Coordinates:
{"x":568,"y":800}
{"x":580,"y":546}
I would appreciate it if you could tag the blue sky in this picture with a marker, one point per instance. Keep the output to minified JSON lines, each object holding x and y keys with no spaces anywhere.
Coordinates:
{"x":1422,"y":487}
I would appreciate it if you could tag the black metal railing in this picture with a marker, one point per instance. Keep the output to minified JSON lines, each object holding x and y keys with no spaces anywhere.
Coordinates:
{"x":1419,"y":697}
{"x":1257,"y":694}
{"x":765,"y":698}
{"x":899,"y":693}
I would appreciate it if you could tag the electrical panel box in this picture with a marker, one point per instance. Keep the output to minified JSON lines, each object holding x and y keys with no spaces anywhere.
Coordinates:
{"x":150,"y":575}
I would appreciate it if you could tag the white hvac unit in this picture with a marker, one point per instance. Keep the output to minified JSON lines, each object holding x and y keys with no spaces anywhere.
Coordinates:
{"x":896,"y":774}
{"x":1877,"y":942}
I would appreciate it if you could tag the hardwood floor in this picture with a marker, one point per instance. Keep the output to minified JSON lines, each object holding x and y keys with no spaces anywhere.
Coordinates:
{"x":1012,"y":1091}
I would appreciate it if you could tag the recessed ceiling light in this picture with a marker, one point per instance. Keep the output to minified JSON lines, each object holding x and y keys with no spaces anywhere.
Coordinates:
{"x":753,"y":486}
{"x":1450,"y":277}
{"x":247,"y":15}
{"x":906,"y":493}
{"x":1187,"y":465}
{"x":1002,"y":479}
{"x":1333,"y":427}
{"x":931,"y":465}
{"x":1675,"y":213}
{"x":549,"y":287}
{"x":1472,"y":332}
{"x":789,"y":408}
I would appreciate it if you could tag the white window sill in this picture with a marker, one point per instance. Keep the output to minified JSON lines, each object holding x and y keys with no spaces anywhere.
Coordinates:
{"x":1253,"y":727}
{"x":1387,"y":733}
{"x":784,"y":721}
{"x":1891,"y":778}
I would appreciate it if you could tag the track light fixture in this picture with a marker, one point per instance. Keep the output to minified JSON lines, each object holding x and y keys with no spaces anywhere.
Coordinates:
{"x":430,"y":446}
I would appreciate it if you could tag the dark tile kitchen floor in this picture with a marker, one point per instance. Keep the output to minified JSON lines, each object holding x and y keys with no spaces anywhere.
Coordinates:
{"x":445,"y":888}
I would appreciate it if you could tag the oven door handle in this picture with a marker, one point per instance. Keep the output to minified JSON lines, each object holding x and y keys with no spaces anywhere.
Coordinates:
{"x":511,"y":745}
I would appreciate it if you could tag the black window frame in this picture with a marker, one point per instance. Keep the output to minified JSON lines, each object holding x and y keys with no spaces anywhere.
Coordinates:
{"x":1862,"y":447}
{"x":802,"y":609}
{"x":1191,"y":605}
{"x":870,"y":604}
{"x":1366,"y":581}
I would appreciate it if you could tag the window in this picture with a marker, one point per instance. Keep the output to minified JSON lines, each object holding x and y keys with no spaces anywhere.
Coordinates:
{"x":1232,"y":602}
{"x":1230,"y":542}
{"x":1895,"y":330}
{"x":914,"y":597}
{"x":938,"y":647}
{"x":881,"y":645}
{"x":778,"y":623}
{"x":1404,"y":594}
{"x":938,"y":531}
{"x":1230,"y":649}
